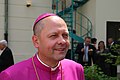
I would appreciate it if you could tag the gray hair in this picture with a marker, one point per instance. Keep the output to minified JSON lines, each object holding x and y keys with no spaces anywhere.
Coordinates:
{"x":3,"y":42}
{"x":38,"y":28}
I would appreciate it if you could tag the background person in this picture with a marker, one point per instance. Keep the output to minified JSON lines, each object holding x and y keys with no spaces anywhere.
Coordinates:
{"x":94,"y":42}
{"x":6,"y":57}
{"x":86,"y":52}
{"x":100,"y":60}
{"x":102,"y":48}
{"x":111,"y":44}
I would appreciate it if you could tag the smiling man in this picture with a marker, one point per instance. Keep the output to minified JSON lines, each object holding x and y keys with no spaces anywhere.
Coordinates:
{"x":51,"y":38}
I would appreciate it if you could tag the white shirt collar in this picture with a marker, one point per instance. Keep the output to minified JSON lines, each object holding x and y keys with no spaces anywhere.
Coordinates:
{"x":1,"y":51}
{"x":112,"y":43}
{"x":52,"y":69}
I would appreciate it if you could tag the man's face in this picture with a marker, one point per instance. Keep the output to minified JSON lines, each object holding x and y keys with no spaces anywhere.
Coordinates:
{"x":110,"y":41}
{"x":1,"y":46}
{"x":53,"y":41}
{"x":87,"y":41}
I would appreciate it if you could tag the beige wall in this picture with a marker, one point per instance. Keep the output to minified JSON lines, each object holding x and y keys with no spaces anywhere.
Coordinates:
{"x":100,"y":11}
{"x":1,"y":18}
{"x":106,"y":10}
{"x":89,"y":10}
{"x":20,"y":23}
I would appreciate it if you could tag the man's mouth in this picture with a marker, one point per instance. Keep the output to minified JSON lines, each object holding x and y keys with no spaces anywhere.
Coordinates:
{"x":60,"y":49}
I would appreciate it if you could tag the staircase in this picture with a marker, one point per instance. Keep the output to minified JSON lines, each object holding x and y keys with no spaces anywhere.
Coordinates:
{"x":67,"y":9}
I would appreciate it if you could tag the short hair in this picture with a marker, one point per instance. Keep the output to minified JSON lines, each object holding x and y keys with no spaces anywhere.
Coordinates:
{"x":3,"y":42}
{"x":38,"y":28}
{"x":87,"y":37}
{"x":93,"y":40}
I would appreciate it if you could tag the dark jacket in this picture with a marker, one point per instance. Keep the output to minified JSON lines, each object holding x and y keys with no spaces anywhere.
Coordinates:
{"x":112,"y":48}
{"x":6,"y":59}
{"x":91,"y":56}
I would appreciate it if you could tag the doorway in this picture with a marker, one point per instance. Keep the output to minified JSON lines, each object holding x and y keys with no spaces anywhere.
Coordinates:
{"x":113,"y":30}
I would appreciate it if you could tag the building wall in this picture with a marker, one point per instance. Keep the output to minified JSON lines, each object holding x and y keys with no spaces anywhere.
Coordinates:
{"x":1,"y":18}
{"x":100,"y":11}
{"x":106,"y":10}
{"x":20,"y":21}
{"x":89,"y":10}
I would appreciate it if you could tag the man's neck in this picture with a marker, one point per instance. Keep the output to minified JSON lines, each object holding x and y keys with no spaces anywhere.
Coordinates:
{"x":3,"y":49}
{"x":52,"y":67}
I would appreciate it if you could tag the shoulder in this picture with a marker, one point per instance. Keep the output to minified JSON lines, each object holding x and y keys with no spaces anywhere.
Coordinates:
{"x":80,"y":44}
{"x":7,"y":49}
{"x":72,"y":68}
{"x":71,"y":64}
{"x":18,"y":67}
{"x":92,"y":46}
{"x":16,"y":71}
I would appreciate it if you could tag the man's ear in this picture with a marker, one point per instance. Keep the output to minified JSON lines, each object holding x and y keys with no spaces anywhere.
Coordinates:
{"x":35,"y":41}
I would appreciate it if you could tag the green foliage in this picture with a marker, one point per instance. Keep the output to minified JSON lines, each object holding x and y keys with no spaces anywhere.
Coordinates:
{"x":117,"y":60}
{"x":95,"y":73}
{"x":116,"y":48}
{"x":112,"y":58}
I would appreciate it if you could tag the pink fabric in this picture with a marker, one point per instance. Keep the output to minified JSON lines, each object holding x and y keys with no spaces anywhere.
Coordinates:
{"x":25,"y":71}
{"x":42,"y":17}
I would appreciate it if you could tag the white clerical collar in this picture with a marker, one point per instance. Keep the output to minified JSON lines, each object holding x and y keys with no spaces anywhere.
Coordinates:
{"x":2,"y":51}
{"x":52,"y":69}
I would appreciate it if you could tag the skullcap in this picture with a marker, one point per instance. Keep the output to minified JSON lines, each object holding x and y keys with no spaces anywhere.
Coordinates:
{"x":42,"y":16}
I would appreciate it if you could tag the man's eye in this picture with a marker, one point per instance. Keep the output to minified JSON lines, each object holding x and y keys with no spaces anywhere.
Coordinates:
{"x":65,"y":35}
{"x":53,"y":36}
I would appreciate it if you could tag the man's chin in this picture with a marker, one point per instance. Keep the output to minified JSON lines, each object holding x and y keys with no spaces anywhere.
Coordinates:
{"x":60,"y":57}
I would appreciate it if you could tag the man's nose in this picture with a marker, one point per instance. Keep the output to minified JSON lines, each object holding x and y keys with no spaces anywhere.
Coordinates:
{"x":61,"y":40}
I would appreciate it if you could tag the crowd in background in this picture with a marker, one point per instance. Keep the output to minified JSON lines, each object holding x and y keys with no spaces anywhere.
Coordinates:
{"x":89,"y":52}
{"x":88,"y":56}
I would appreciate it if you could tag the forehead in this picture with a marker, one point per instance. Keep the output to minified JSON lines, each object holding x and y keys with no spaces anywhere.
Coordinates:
{"x":54,"y":23}
{"x":87,"y":39}
{"x":53,"y":19}
{"x":1,"y":44}
{"x":101,"y":43}
{"x":110,"y":39}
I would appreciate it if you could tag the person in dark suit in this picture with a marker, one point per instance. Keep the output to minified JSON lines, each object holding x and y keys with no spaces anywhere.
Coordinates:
{"x":94,"y":42}
{"x":111,"y":45}
{"x":6,"y":57}
{"x":86,"y":52}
